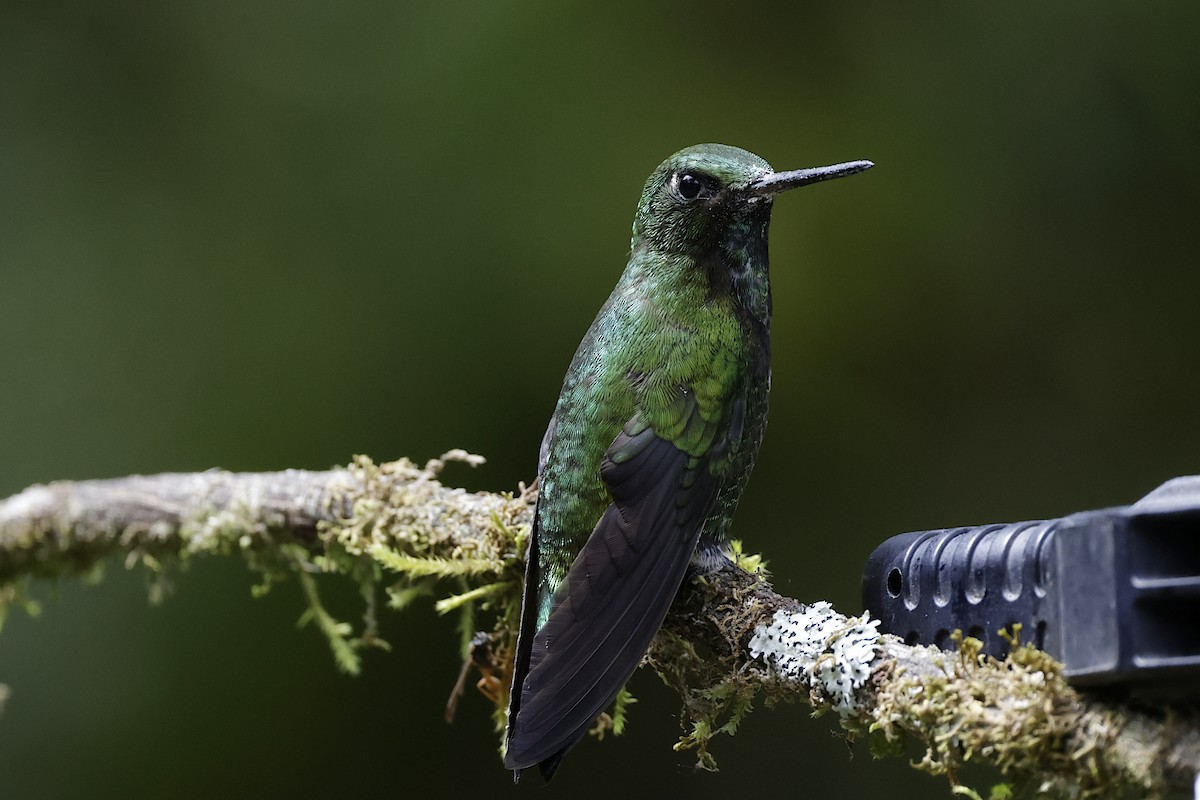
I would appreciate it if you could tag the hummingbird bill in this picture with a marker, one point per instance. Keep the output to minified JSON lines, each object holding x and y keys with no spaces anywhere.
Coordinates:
{"x":654,"y":435}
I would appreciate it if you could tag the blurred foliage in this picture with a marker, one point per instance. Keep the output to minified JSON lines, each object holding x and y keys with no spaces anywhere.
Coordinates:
{"x":263,"y":236}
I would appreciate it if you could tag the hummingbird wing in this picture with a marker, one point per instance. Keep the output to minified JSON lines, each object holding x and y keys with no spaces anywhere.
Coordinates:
{"x":620,"y":585}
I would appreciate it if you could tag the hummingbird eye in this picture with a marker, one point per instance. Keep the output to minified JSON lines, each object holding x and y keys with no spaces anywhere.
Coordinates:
{"x":689,"y":186}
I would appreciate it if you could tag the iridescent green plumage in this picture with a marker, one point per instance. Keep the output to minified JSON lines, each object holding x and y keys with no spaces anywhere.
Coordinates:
{"x":660,"y":418}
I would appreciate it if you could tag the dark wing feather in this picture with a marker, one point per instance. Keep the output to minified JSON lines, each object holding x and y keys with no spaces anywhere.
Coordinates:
{"x":615,"y":595}
{"x":524,"y":641}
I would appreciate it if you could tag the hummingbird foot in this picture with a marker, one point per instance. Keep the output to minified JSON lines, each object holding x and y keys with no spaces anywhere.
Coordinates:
{"x":711,"y":557}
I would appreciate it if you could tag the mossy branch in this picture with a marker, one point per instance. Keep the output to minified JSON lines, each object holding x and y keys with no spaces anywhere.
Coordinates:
{"x":729,"y":640}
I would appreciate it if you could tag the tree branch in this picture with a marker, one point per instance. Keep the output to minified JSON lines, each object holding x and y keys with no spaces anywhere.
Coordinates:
{"x":728,"y":640}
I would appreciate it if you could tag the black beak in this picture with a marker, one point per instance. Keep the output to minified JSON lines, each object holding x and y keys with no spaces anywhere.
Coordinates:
{"x":777,"y":182}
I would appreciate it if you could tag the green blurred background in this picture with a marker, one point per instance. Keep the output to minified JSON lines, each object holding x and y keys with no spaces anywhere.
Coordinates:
{"x":259,"y":236}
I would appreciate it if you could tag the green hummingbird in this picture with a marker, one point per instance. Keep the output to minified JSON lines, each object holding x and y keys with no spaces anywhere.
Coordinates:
{"x":657,"y":427}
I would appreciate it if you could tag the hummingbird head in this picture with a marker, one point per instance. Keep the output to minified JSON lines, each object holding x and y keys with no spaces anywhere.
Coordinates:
{"x":690,"y":199}
{"x":711,"y":205}
{"x":700,"y":197}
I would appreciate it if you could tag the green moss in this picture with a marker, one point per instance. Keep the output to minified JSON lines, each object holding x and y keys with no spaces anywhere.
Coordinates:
{"x":620,"y":713}
{"x":753,"y":563}
{"x":1015,"y":713}
{"x":12,"y":595}
{"x":384,"y":536}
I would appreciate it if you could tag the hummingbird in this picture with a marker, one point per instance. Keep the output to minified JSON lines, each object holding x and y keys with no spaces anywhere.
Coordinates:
{"x":655,"y":432}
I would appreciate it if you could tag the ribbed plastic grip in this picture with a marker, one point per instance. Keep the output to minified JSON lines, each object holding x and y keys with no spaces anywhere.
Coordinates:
{"x":1113,"y":594}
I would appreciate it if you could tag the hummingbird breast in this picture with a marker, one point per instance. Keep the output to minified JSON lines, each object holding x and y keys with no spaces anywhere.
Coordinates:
{"x":649,"y":344}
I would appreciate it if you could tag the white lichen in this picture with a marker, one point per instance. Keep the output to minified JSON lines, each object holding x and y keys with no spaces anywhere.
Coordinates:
{"x":826,"y":651}
{"x":31,"y":504}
